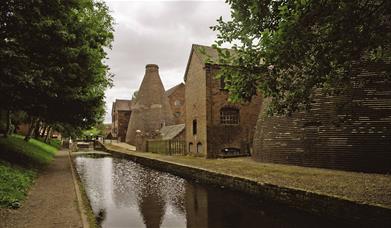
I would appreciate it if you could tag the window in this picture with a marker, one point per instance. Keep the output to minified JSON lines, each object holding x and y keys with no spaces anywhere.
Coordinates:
{"x":222,"y":83}
{"x":229,"y":116}
{"x":194,"y":127}
{"x":177,"y":114}
{"x":177,"y":103}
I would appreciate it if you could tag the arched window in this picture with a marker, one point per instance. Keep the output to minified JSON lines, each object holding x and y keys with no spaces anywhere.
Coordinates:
{"x":229,"y":116}
{"x":190,"y":147}
{"x":199,"y":148}
{"x":222,"y":83}
{"x":177,"y":103}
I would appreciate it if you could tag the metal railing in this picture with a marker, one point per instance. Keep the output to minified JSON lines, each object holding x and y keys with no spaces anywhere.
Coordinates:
{"x":169,"y":147}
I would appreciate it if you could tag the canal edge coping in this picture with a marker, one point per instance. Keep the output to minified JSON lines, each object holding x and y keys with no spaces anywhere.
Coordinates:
{"x":82,"y":211}
{"x":310,"y":202}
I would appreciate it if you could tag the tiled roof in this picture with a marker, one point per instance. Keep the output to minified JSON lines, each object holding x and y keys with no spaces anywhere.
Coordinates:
{"x":206,"y":54}
{"x":172,"y":90}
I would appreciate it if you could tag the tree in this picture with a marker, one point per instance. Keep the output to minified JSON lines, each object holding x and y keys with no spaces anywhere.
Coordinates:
{"x":134,"y":95}
{"x":288,"y":49}
{"x":51,"y":58}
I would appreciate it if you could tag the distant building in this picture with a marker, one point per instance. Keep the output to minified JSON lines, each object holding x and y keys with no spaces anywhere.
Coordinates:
{"x":120,"y":113}
{"x":176,"y":97}
{"x":151,"y":109}
{"x":215,"y":127}
{"x":107,"y":130}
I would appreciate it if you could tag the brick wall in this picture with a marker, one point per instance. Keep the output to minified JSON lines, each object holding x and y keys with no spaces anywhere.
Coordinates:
{"x":195,"y":95}
{"x":177,"y":103}
{"x":151,"y":110}
{"x":228,"y":136}
{"x":123,"y":121}
{"x":350,"y":132}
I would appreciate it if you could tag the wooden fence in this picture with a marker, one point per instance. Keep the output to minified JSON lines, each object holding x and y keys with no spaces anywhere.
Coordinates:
{"x":169,"y":147}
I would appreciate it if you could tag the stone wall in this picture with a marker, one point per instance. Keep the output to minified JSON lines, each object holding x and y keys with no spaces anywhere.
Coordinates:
{"x":350,"y":132}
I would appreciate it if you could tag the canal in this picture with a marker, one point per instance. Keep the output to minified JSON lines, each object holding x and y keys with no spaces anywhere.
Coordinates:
{"x":125,"y":194}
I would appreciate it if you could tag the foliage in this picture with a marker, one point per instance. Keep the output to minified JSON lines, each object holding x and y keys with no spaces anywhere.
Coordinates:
{"x":19,"y":162}
{"x":51,"y":57}
{"x":33,"y":154}
{"x":56,"y":143}
{"x":135,"y":95}
{"x":93,"y":132}
{"x":287,"y":49}
{"x":14,"y":184}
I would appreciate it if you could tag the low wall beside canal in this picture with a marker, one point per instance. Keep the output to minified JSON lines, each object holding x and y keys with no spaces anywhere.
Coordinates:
{"x":310,"y":202}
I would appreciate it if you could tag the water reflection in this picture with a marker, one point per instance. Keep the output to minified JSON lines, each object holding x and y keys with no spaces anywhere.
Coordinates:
{"x":125,"y":194}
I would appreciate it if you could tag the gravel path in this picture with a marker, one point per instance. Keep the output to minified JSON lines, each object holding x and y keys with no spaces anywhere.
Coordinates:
{"x":51,"y":202}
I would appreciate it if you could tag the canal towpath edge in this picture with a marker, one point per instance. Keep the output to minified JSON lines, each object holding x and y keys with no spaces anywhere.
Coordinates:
{"x":53,"y":201}
{"x":358,"y":197}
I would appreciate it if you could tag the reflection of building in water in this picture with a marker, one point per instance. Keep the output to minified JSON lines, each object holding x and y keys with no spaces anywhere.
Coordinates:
{"x":234,"y":212}
{"x":157,"y":197}
{"x":210,"y":207}
{"x":196,"y":204}
{"x":99,"y":185}
{"x":125,"y":181}
{"x":151,"y":201}
{"x":174,"y":191}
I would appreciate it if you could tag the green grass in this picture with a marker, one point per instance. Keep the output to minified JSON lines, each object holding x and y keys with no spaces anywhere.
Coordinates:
{"x":14,"y":184}
{"x":33,"y":154}
{"x":20,"y":161}
{"x":52,"y":142}
{"x":55,"y":143}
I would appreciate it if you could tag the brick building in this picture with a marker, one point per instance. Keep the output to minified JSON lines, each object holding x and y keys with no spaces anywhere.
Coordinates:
{"x":120,"y":114}
{"x":215,"y":127}
{"x":349,"y":132}
{"x":151,"y":110}
{"x":176,"y":97}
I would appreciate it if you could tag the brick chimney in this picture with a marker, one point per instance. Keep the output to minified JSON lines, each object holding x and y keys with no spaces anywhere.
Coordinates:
{"x":151,"y":109}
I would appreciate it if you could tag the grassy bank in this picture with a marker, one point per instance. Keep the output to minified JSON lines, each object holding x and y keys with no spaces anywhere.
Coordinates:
{"x":20,"y":161}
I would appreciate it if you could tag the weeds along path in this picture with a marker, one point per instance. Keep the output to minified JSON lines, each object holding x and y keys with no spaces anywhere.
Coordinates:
{"x":51,"y":202}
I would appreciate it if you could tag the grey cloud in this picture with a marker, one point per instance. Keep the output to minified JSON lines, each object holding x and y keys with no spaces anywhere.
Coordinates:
{"x":160,"y":33}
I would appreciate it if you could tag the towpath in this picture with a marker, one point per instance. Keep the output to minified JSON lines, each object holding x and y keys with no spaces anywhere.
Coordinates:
{"x":52,"y":202}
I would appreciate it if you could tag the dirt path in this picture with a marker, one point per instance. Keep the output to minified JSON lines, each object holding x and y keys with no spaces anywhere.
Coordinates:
{"x":51,"y":202}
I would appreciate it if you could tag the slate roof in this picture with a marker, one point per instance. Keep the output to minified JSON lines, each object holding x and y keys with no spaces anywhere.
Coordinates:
{"x":171,"y":131}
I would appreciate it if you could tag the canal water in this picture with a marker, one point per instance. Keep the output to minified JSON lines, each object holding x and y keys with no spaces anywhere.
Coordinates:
{"x":125,"y":194}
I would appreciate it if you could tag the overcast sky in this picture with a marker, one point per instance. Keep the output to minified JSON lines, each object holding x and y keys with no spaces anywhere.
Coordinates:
{"x":159,"y":32}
